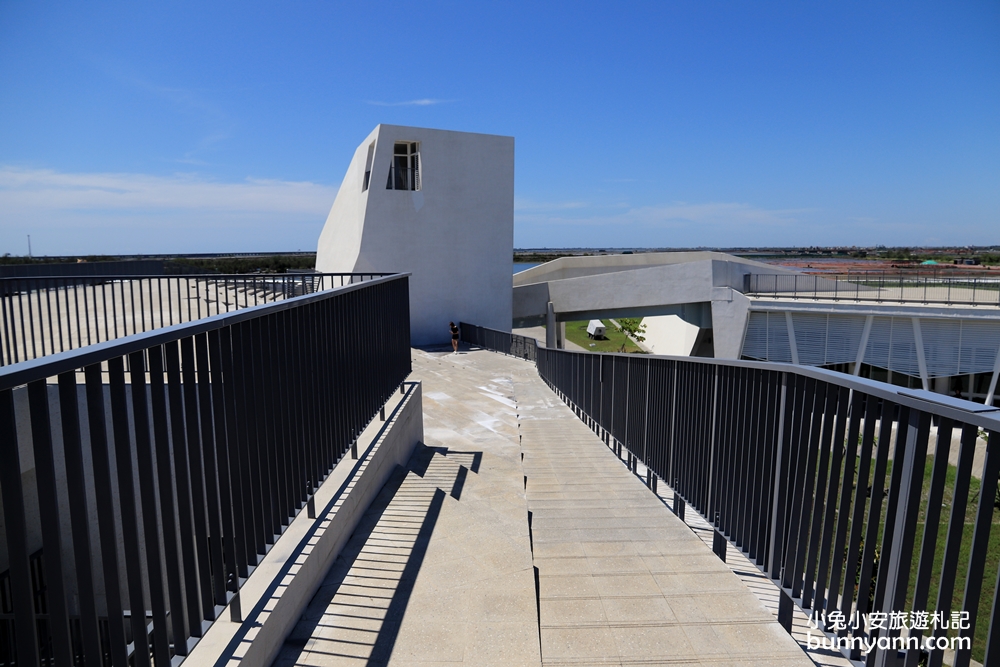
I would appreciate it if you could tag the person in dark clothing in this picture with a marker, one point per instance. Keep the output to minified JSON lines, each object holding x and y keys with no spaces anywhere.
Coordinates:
{"x":454,"y":336}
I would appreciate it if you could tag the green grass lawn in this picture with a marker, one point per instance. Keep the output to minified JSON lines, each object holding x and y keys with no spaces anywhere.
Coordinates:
{"x":576,"y":332}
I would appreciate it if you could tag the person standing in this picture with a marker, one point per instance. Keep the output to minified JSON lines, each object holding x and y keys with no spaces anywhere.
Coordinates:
{"x":454,"y":336}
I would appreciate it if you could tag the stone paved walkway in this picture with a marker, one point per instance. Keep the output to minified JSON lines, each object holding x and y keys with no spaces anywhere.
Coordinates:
{"x":622,"y":581}
{"x":444,"y":568}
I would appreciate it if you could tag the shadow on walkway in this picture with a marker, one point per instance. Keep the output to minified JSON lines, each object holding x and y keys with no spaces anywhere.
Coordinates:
{"x":356,"y":614}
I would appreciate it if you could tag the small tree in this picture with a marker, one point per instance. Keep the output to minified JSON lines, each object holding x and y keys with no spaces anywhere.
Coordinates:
{"x":634,"y":327}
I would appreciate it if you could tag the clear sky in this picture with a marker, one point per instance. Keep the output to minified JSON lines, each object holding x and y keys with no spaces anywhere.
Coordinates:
{"x":214,"y":126}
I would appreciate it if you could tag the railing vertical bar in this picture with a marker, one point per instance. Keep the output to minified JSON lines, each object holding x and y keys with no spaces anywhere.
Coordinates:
{"x":76,"y":310}
{"x":48,"y":506}
{"x":819,"y":506}
{"x":227,"y":452}
{"x":45,"y":319}
{"x":265,"y":424}
{"x":211,"y":472}
{"x":752,"y":452}
{"x":235,"y":356}
{"x":980,"y":544}
{"x":129,"y":509}
{"x":829,"y":521}
{"x":844,"y":511}
{"x":188,"y":386}
{"x":15,"y":526}
{"x":31,"y":326}
{"x":904,"y":526}
{"x":804,"y":398}
{"x":932,"y":521}
{"x":59,"y":318}
{"x":150,"y":518}
{"x":810,"y":482}
{"x":283,"y":436}
{"x":69,"y":411}
{"x":778,"y":498}
{"x":6,"y":302}
{"x":186,"y":526}
{"x":871,"y":416}
{"x":253,"y":483}
{"x":888,"y":416}
{"x":103,"y":484}
{"x":956,"y":527}
{"x":165,"y":476}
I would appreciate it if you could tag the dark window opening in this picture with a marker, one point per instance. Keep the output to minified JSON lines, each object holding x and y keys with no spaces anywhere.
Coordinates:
{"x":368,"y":166}
{"x":404,"y":172}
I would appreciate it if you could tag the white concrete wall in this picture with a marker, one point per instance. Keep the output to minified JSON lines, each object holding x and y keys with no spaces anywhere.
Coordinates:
{"x":729,"y":322}
{"x":670,"y":335}
{"x":455,"y":235}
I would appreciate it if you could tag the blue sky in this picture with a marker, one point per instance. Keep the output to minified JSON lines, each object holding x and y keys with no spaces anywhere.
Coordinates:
{"x":203,"y":127}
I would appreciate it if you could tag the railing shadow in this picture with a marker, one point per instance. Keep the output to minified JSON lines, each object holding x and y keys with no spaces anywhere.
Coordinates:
{"x":358,"y":610}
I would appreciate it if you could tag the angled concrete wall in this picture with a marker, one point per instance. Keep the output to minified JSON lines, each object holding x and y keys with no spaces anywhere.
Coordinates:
{"x":455,"y":234}
{"x":700,"y":288}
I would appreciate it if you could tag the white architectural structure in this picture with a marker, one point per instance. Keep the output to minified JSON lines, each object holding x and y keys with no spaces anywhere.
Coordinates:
{"x":699,"y":304}
{"x":439,"y":205}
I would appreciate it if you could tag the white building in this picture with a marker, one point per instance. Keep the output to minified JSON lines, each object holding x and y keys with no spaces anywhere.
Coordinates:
{"x":941,"y":334}
{"x":439,"y":205}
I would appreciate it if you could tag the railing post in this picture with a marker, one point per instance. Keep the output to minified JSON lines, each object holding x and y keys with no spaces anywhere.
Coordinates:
{"x":235,"y":612}
{"x":26,"y":634}
{"x":778,"y":497}
{"x":678,"y":501}
{"x":719,"y":541}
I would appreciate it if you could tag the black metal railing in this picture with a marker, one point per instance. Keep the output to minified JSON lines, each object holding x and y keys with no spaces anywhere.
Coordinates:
{"x":878,"y":287}
{"x":499,"y":341}
{"x":839,"y":488}
{"x":46,"y":315}
{"x":145,"y":477}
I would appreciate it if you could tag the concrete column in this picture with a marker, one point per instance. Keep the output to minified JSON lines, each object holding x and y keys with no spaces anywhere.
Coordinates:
{"x":863,"y":345}
{"x":551,"y":332}
{"x":918,"y":341}
{"x":792,"y":343}
{"x":991,"y":394}
{"x":561,"y":336}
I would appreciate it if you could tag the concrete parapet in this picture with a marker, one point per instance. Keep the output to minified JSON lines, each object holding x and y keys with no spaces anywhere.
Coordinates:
{"x":281,"y":586}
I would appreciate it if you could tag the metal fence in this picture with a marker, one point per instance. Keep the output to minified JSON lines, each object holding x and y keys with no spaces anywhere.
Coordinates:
{"x":144,"y":478}
{"x":878,"y":287}
{"x":839,"y":488}
{"x":47,"y":315}
{"x":499,"y":341}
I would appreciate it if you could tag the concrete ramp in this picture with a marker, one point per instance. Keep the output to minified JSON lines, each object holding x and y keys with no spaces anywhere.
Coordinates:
{"x":514,"y":536}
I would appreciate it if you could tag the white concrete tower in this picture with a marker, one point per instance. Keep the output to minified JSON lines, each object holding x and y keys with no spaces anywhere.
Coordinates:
{"x":437,"y":204}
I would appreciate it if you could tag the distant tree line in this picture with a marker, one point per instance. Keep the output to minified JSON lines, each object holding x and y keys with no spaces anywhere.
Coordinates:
{"x":227,"y":265}
{"x":18,"y":259}
{"x":234,"y":265}
{"x":542,"y":257}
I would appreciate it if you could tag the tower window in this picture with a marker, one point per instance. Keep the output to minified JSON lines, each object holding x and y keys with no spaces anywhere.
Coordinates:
{"x":368,"y":166}
{"x":404,"y":173}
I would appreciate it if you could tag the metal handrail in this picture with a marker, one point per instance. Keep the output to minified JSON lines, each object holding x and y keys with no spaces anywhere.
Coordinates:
{"x":790,"y":464}
{"x":214,"y":434}
{"x":878,"y":287}
{"x":40,"y":316}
